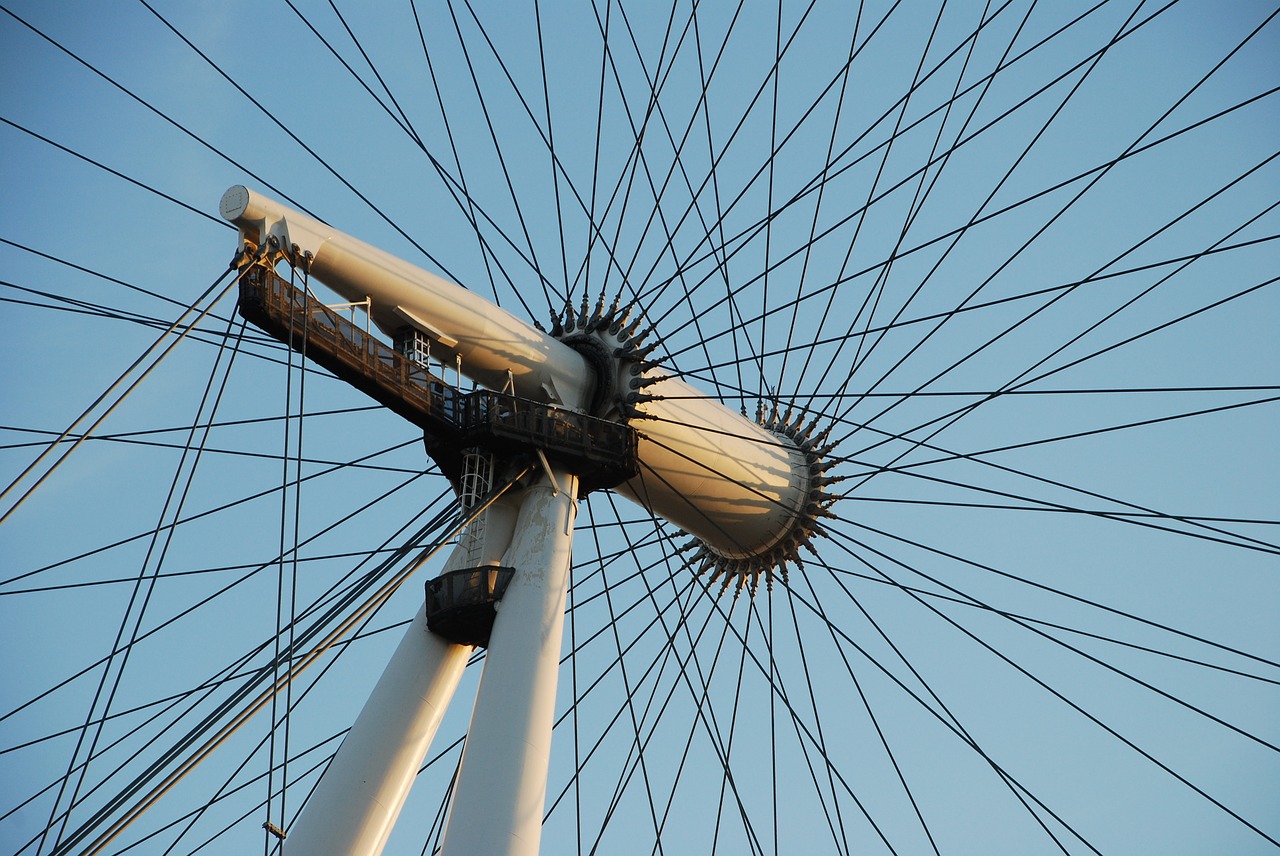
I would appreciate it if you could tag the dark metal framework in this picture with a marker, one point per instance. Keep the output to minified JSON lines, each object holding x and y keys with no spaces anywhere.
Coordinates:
{"x":600,"y":452}
{"x":461,"y":604}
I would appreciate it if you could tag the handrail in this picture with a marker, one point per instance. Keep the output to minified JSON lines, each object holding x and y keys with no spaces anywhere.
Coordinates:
{"x":602,"y":453}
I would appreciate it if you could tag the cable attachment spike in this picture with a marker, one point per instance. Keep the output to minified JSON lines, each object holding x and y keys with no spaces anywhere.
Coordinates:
{"x":724,"y":584}
{"x":692,"y":544}
{"x":629,"y":331}
{"x":640,"y":354}
{"x":644,"y":334}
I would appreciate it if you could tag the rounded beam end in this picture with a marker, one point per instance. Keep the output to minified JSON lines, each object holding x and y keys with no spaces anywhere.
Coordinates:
{"x":234,"y":202}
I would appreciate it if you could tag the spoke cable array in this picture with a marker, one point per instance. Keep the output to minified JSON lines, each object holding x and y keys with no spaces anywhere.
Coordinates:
{"x":1011,"y":264}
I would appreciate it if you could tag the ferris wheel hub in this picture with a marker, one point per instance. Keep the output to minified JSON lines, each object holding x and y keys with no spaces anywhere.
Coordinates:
{"x":773,"y":561}
{"x":612,"y":342}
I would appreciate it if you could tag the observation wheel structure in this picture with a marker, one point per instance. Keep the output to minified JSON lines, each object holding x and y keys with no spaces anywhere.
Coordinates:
{"x":999,"y":279}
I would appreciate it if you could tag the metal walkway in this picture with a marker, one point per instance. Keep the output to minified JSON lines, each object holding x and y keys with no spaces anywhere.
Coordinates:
{"x":601,"y":453}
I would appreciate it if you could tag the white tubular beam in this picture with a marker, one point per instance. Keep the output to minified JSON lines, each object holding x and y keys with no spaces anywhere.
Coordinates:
{"x":490,"y":340}
{"x":715,"y":473}
{"x":501,"y":786}
{"x":355,"y":806}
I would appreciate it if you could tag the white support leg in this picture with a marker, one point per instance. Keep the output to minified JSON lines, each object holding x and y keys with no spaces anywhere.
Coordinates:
{"x":501,"y":786}
{"x":355,"y":806}
{"x":352,"y":811}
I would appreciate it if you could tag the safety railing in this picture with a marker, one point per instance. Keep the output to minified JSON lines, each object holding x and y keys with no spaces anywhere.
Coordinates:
{"x":602,"y":453}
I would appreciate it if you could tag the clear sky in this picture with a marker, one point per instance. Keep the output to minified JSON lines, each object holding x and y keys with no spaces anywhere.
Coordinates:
{"x":1018,"y":257}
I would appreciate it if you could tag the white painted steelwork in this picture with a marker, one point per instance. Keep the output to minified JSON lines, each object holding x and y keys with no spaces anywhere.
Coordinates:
{"x":501,"y":786}
{"x":715,"y":473}
{"x":490,"y":341}
{"x":359,"y":797}
{"x":704,"y":467}
{"x":354,"y":807}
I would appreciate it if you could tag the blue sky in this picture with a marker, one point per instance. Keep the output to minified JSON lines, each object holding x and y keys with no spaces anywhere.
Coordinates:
{"x":1121,"y":492}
